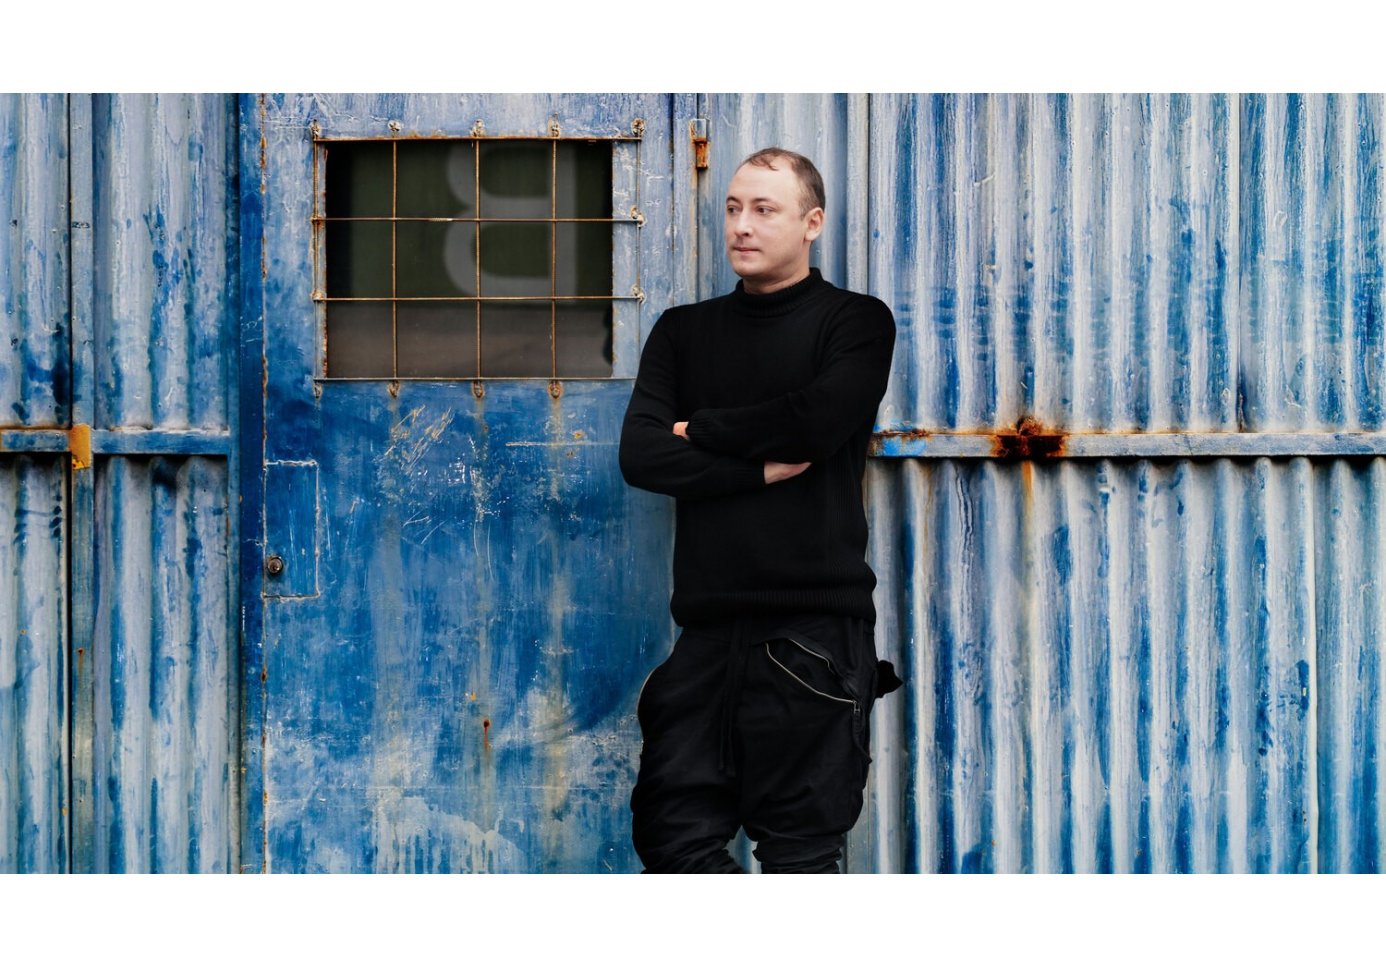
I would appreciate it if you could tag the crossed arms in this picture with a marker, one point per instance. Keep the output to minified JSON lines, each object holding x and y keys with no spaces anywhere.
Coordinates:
{"x":720,"y":451}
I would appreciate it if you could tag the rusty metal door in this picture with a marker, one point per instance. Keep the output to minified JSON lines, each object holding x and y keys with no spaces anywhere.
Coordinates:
{"x":452,"y":597}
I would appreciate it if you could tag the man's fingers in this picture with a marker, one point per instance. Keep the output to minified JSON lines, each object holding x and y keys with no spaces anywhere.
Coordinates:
{"x":776,"y":471}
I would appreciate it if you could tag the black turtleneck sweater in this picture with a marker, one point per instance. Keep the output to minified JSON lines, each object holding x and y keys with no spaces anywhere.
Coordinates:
{"x":793,"y":376}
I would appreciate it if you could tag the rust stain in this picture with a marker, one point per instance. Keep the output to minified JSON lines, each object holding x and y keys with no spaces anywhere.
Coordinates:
{"x":486,"y":734}
{"x":79,"y":444}
{"x":1030,"y":440}
{"x":81,"y":653}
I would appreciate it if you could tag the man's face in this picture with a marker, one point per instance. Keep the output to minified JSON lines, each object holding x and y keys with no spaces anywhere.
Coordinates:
{"x":767,"y":231}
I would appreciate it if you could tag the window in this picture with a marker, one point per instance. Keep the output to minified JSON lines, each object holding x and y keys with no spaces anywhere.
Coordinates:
{"x":468,"y":258}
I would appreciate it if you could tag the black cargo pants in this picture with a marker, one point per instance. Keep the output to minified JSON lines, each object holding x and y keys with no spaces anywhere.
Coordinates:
{"x":757,"y":725}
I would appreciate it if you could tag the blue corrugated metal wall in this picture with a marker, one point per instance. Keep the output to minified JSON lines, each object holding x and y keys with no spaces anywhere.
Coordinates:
{"x":1121,"y":664}
{"x":34,"y":390}
{"x":1157,"y":650}
{"x":118,"y":272}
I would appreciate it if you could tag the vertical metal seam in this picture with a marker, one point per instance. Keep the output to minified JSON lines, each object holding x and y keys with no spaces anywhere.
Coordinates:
{"x":229,"y":338}
{"x":1309,"y":529}
{"x":476,"y":200}
{"x":553,"y":259}
{"x":1234,"y":251}
{"x":81,"y":521}
{"x":394,"y":255}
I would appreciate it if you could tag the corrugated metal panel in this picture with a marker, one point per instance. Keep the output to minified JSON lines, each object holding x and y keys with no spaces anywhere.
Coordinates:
{"x":33,"y":666}
{"x":1130,"y":665}
{"x":164,"y":750}
{"x":35,"y":377}
{"x":165,"y":258}
{"x":1070,"y":259}
{"x":1313,"y":346}
{"x":163,"y":726}
{"x":1115,"y":666}
{"x":1350,"y":560}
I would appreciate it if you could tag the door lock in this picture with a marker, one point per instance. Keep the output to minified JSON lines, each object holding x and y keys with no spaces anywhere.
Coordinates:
{"x":274,"y":564}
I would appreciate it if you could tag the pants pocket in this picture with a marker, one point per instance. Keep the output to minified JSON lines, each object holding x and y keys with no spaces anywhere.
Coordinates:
{"x":812,"y":670}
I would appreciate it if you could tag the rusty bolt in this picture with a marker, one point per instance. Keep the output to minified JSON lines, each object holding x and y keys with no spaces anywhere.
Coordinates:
{"x":274,"y":565}
{"x":554,"y":130}
{"x":555,"y":388}
{"x":395,"y":127}
{"x":478,"y":129}
{"x":478,"y":389}
{"x":637,"y":127}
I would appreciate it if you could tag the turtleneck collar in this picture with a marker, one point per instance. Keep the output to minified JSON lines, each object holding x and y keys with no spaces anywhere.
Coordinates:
{"x":780,"y":301}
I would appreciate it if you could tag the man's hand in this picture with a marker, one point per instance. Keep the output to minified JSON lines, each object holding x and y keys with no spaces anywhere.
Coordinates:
{"x":776,"y":472}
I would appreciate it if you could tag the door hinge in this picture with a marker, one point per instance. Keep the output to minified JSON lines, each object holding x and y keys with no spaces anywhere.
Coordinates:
{"x":79,"y":445}
{"x":698,"y":128}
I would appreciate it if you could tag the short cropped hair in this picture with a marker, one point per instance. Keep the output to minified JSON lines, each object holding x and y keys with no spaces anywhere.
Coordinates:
{"x":810,"y":181}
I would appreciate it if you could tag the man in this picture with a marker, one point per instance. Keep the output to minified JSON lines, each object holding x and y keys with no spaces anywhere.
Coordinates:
{"x":754,"y":410}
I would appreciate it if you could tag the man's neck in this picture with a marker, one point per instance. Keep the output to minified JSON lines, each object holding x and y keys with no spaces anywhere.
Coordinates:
{"x":765,"y":289}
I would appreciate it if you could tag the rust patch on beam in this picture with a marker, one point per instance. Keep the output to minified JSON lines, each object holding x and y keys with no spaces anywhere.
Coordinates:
{"x":79,"y":444}
{"x":1031,"y":440}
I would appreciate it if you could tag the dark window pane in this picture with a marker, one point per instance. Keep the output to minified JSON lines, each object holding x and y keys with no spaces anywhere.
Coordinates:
{"x":584,"y":339}
{"x":437,"y":339}
{"x":515,"y":339}
{"x":435,"y":259}
{"x":436,"y":179}
{"x":359,"y":340}
{"x":516,"y":178}
{"x":515,"y":259}
{"x":358,"y":258}
{"x":584,"y":259}
{"x":584,"y":180}
{"x":359,"y":179}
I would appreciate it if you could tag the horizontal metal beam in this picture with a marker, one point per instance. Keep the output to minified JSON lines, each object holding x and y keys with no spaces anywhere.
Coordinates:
{"x":884,"y":444}
{"x":193,"y":443}
{"x":1049,"y":445}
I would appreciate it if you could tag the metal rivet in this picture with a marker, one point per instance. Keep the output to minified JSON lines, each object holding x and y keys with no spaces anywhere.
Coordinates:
{"x":478,"y":129}
{"x":554,"y":130}
{"x":395,"y":126}
{"x":555,"y":388}
{"x":478,"y":389}
{"x":637,"y":127}
{"x":274,"y":565}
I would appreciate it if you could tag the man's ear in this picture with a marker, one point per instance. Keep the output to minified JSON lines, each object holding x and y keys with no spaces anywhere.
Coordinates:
{"x":815,"y":225}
